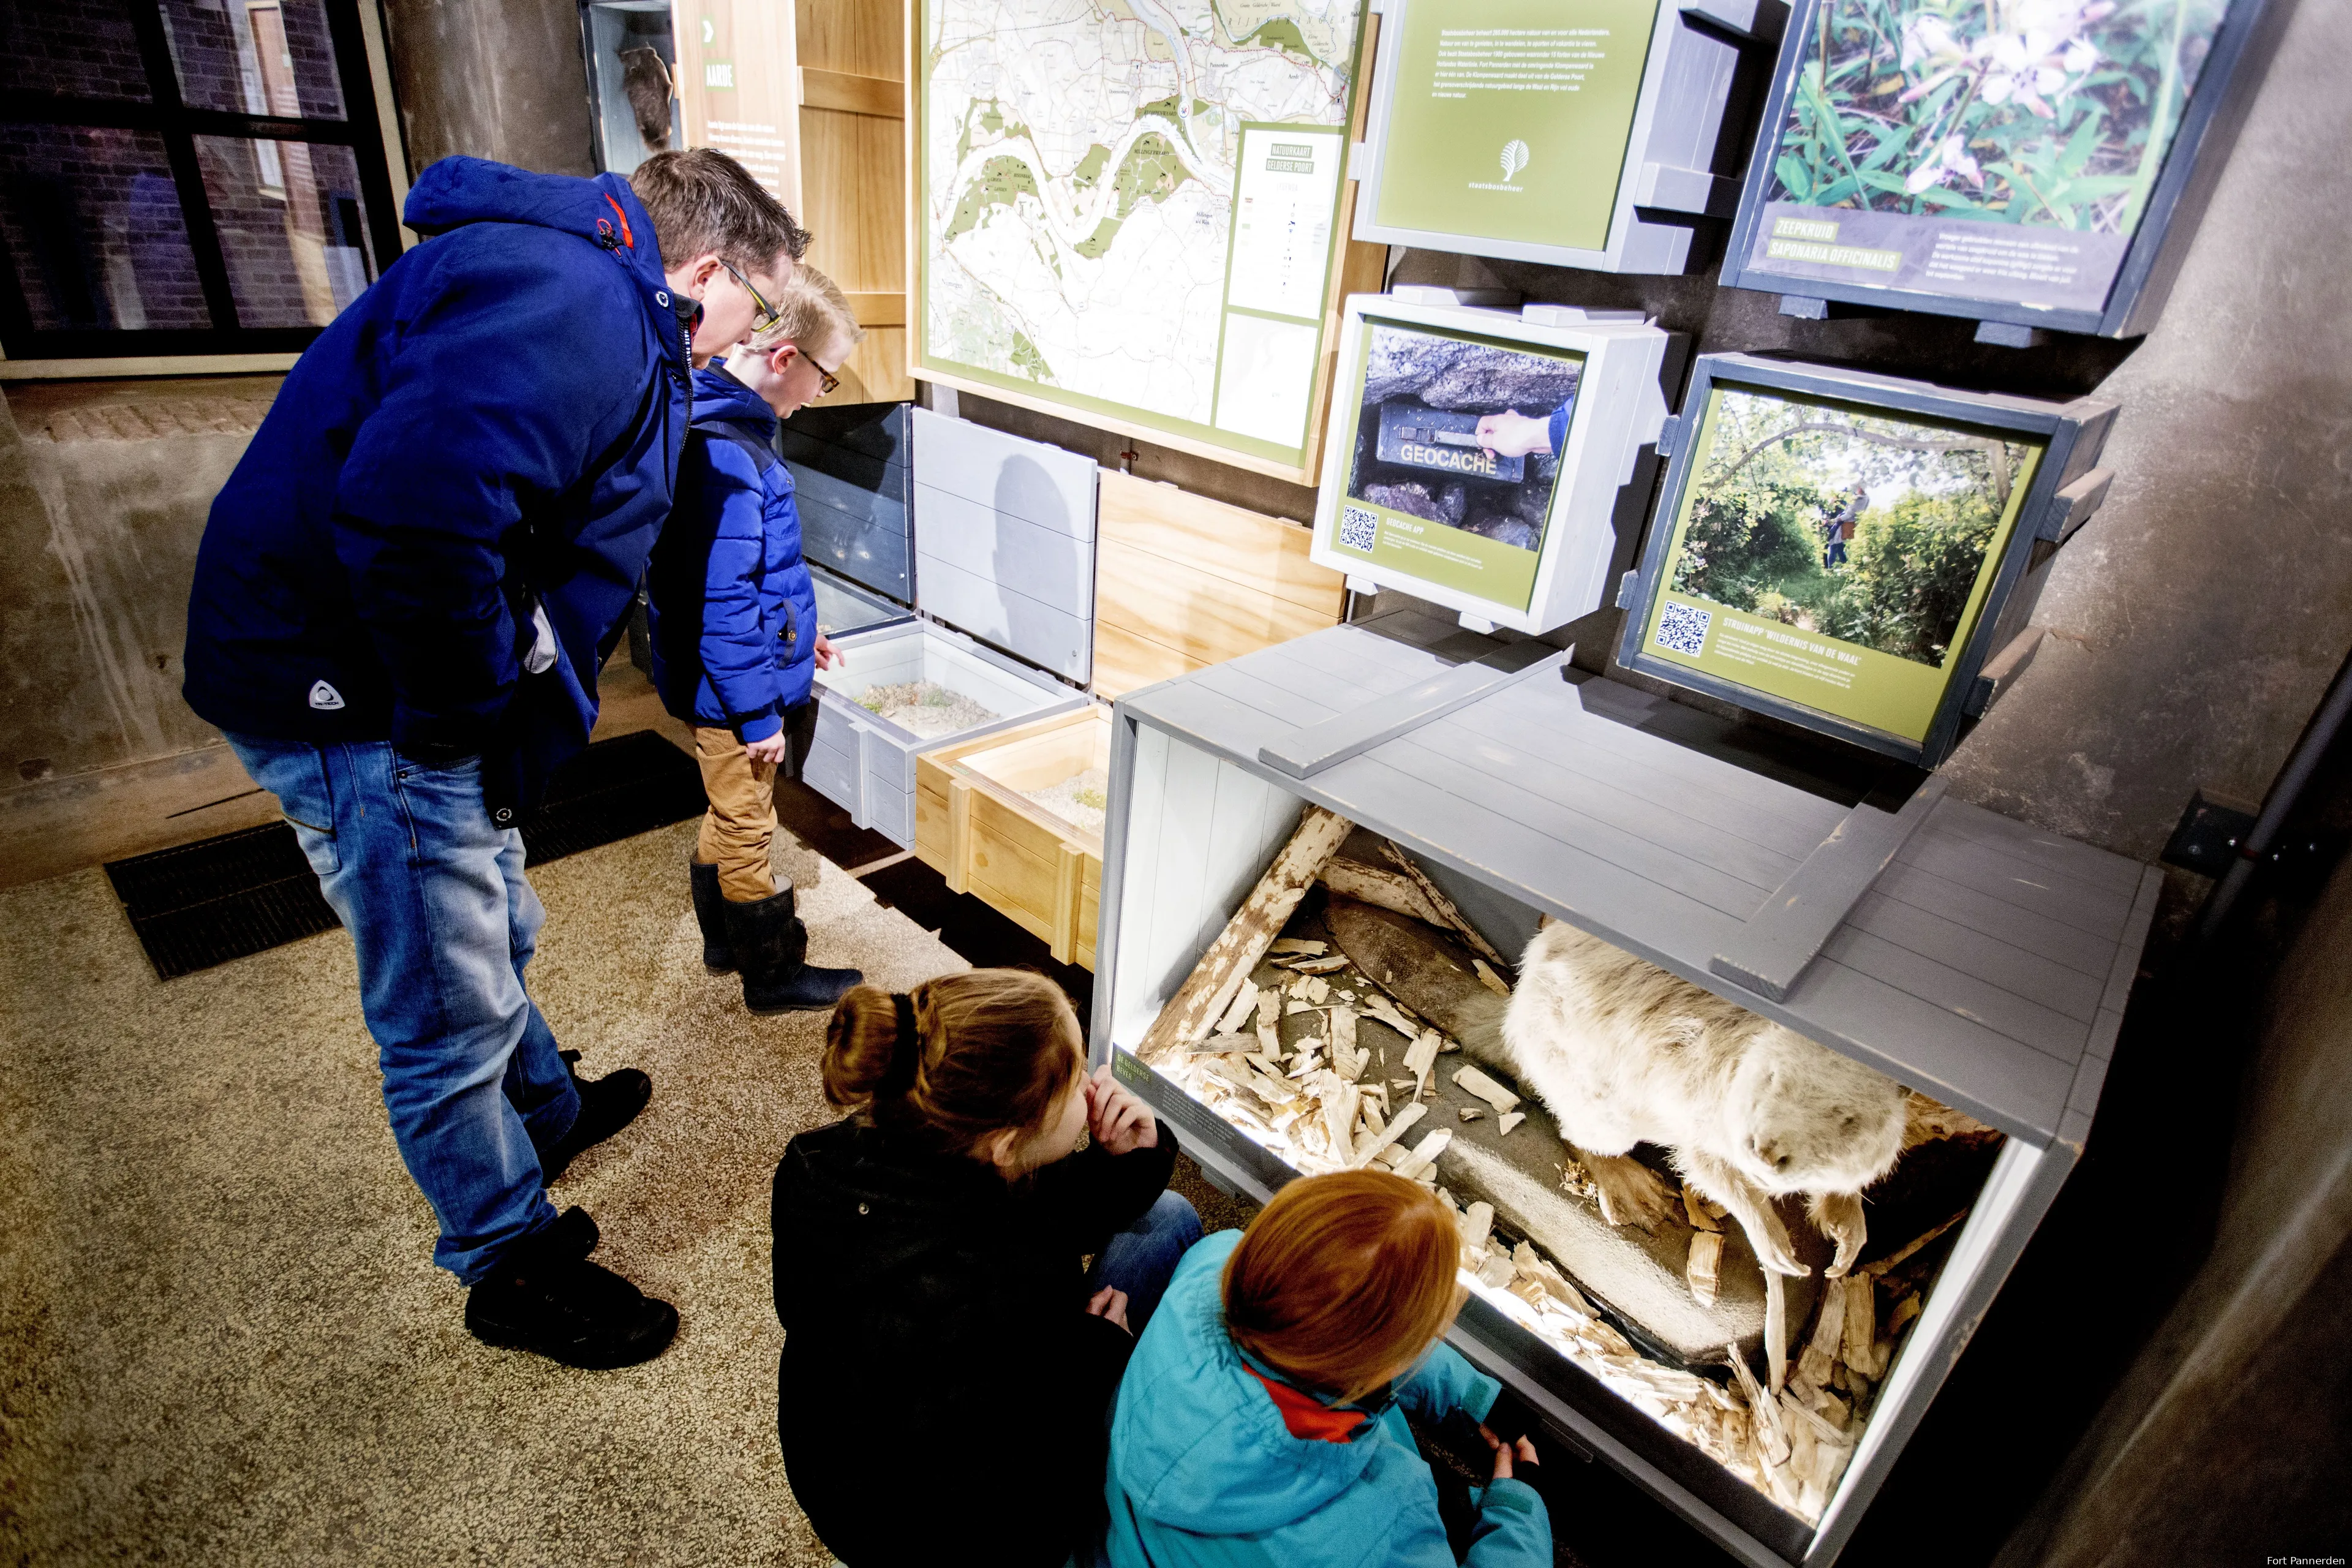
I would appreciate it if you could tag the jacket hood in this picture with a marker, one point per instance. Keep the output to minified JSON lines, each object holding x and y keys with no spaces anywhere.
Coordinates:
{"x":718,"y":395}
{"x":1197,"y":1443}
{"x":605,"y":211}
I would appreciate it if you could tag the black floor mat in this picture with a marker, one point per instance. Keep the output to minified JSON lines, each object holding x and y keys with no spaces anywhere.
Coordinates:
{"x":243,"y":893}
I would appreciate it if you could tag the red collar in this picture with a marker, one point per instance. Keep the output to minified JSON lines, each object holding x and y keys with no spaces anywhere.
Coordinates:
{"x":1304,"y":1418}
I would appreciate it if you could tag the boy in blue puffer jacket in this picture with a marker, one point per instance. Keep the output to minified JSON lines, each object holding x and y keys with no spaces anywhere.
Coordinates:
{"x":735,"y":642}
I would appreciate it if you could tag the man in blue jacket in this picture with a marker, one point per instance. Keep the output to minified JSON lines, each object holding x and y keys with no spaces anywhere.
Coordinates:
{"x":402,"y":600}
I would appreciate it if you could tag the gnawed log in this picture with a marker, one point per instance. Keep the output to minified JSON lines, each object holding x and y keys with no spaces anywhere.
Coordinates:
{"x":1234,"y":956}
{"x":1377,"y":885}
{"x":1448,"y":914}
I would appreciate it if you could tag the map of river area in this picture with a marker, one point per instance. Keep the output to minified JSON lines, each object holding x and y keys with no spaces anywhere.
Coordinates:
{"x":1082,"y":166}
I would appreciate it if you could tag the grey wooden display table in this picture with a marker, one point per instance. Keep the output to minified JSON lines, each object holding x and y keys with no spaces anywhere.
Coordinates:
{"x":1987,"y":964}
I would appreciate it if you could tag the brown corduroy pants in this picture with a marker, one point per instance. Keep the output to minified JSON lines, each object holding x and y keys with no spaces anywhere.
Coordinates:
{"x":741,"y":825}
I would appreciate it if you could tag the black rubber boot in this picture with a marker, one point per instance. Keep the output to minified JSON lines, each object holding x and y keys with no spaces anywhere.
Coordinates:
{"x":607,"y":1104}
{"x":710,"y":915}
{"x":546,"y":1298}
{"x":771,"y":947}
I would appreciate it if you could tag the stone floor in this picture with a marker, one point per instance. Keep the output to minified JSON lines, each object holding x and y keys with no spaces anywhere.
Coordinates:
{"x":221,"y":1340}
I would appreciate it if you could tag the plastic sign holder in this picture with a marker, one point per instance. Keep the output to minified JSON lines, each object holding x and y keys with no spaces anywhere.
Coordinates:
{"x":1576,"y":134}
{"x":1392,"y":512}
{"x":1836,"y":635}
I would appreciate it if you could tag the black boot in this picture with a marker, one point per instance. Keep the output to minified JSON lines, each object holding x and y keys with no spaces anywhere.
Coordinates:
{"x":546,"y":1298}
{"x":710,"y":915}
{"x":771,"y":946}
{"x":607,"y":1104}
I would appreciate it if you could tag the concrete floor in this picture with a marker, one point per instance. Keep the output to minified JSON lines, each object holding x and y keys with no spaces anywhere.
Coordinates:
{"x":221,"y":1340}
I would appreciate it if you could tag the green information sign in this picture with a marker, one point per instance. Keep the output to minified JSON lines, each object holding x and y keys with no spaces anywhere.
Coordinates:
{"x":1510,"y":119}
{"x":1454,"y":476}
{"x":1835,"y":557}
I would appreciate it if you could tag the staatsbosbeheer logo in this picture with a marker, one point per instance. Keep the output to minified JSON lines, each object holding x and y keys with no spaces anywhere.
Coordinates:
{"x":1515,"y":158}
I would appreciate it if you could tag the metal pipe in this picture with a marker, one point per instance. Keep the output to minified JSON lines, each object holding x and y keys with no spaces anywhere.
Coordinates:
{"x":2285,"y":793}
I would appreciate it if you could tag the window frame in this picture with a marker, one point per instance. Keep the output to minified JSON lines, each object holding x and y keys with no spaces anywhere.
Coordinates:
{"x":358,"y":57}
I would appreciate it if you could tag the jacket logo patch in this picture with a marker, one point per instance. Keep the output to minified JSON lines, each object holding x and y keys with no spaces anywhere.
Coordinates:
{"x":325,"y":698}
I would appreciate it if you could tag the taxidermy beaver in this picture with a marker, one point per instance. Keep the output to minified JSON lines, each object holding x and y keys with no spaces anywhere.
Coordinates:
{"x":1621,"y":1052}
{"x":644,"y":81}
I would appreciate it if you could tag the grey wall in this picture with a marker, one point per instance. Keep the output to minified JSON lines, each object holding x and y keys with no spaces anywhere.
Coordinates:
{"x":493,"y":79}
{"x":2196,"y":620}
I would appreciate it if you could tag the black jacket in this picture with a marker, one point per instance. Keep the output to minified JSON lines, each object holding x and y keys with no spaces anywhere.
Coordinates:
{"x":943,"y":1393}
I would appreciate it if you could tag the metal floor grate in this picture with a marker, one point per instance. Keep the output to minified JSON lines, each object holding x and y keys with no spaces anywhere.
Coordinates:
{"x":227,"y":897}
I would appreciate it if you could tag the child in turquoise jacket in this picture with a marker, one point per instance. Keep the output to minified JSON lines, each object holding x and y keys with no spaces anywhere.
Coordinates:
{"x":1255,"y":1424}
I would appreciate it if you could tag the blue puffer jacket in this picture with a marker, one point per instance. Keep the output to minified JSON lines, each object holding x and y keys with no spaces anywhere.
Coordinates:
{"x":732,"y":608}
{"x":1203,"y":1474}
{"x":495,"y":424}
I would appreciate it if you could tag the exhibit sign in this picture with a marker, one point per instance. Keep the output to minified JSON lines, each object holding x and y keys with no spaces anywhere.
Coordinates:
{"x":738,"y":80}
{"x":1535,"y":129}
{"x":1835,"y":548}
{"x":1134,"y":216}
{"x":1482,"y":465}
{"x":1511,"y":118}
{"x":2016,"y":161}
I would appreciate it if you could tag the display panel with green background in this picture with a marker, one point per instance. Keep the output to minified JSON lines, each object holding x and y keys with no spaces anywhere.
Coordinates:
{"x":1511,"y":118}
{"x":1834,"y":557}
{"x":1456,"y":466}
{"x":2001,"y":151}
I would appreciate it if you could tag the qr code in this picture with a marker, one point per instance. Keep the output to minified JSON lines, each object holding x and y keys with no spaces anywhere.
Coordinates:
{"x":1682,"y":628}
{"x":1357,"y":526}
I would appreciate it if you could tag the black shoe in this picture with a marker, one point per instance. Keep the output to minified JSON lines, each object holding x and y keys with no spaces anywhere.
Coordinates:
{"x":546,"y":1298}
{"x":771,"y":948}
{"x":710,"y":915}
{"x":607,"y":1104}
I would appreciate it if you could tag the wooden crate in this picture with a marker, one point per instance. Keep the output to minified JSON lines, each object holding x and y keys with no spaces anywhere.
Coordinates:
{"x":975,"y":823}
{"x":1179,"y":582}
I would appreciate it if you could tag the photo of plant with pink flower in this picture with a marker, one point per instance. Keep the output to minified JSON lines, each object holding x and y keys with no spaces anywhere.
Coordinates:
{"x":2050,"y":112}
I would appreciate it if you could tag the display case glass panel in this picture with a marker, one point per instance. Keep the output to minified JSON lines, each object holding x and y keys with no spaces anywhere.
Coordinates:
{"x":632,"y":71}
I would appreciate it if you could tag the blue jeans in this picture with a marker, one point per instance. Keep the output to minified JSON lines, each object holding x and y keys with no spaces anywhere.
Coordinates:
{"x":434,"y":898}
{"x":1141,"y":1258}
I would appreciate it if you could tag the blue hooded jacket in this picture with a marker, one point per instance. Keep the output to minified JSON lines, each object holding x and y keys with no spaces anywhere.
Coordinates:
{"x":1203,"y":1474}
{"x":493,"y":427}
{"x":731,"y":605}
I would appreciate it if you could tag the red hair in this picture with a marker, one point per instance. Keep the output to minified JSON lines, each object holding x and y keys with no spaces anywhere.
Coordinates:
{"x":1343,"y":1281}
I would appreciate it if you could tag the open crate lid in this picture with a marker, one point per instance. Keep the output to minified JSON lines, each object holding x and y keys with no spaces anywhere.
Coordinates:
{"x":849,"y":478}
{"x":1004,"y":542}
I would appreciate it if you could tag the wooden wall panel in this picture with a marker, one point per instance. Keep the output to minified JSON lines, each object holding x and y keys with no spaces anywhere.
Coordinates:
{"x":1181,"y":581}
{"x":853,"y":158}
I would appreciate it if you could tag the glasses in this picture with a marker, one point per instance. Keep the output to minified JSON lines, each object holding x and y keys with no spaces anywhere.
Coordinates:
{"x":826,"y":382}
{"x":768,"y":315}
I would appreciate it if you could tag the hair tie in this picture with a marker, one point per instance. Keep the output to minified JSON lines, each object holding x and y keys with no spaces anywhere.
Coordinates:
{"x":909,"y":1053}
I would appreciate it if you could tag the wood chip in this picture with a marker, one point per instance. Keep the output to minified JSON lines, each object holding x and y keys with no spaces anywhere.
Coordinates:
{"x":1704,"y":1272}
{"x":1469,"y":1112}
{"x":1317,"y":989}
{"x":1269,"y":1021}
{"x":1820,"y":1360}
{"x":1296,"y":1004}
{"x":1306,"y":945}
{"x":1478,"y":1224}
{"x":1470,"y":1081}
{"x":1696,"y":1212}
{"x":1425,"y":1153}
{"x":1534,"y":1265}
{"x":1245,"y":1004}
{"x":1905,"y":1311}
{"x":1396,"y":1156}
{"x":1904,"y":1253}
{"x":1419,"y":1057}
{"x":1225,"y":1046}
{"x":1762,"y":1409}
{"x":1331,"y":965}
{"x":1488,"y":978}
{"x":1391,"y":1133}
{"x":1340,"y":1120}
{"x":1511,"y":1119}
{"x":1496,"y":1272}
{"x":1862,"y":1349}
{"x":1776,"y":1326}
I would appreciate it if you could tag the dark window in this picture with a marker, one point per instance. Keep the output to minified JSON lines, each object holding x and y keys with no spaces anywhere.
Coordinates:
{"x":185,"y":176}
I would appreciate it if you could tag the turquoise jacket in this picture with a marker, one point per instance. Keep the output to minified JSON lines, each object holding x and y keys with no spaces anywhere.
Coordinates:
{"x":1203,"y":1474}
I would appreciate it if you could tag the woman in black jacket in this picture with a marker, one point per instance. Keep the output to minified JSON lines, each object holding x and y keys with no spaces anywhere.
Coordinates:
{"x":947,"y":1365}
